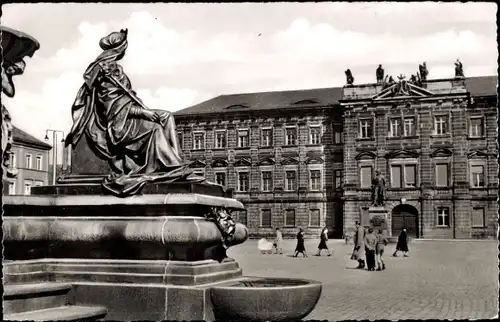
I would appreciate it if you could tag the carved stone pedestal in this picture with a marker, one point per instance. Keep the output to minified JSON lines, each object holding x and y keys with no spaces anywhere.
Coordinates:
{"x":378,"y":218}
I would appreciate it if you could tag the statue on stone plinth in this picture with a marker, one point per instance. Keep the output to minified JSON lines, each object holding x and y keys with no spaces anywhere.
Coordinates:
{"x":15,"y":46}
{"x":140,"y":144}
{"x":349,"y":77}
{"x":423,"y":72}
{"x":380,"y":74}
{"x":459,"y":69}
{"x":378,"y":190}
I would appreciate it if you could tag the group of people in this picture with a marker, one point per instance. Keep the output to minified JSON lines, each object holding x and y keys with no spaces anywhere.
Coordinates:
{"x":300,"y":248}
{"x":371,"y":246}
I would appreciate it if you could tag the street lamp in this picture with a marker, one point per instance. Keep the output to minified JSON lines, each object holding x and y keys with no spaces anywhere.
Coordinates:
{"x":54,"y":152}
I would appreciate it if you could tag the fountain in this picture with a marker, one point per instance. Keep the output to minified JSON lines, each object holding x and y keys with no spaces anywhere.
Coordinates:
{"x":132,"y":229}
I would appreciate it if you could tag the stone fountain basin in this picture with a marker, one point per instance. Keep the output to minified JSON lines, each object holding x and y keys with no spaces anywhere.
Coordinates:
{"x":263,"y":299}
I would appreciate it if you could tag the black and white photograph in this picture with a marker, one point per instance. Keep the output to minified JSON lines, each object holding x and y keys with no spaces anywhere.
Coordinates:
{"x":257,"y":161}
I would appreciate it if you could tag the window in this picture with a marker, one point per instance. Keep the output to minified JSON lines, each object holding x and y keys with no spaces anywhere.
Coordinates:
{"x":395,"y":127}
{"x":403,"y":176}
{"x":180,"y":139}
{"x":366,"y":129}
{"x":338,"y":179}
{"x":441,"y":125}
{"x":242,"y":217}
{"x":28,"y":161}
{"x":290,"y":218}
{"x":12,"y":160}
{"x":267,"y":137}
{"x":315,"y":135}
{"x":12,"y":188}
{"x":265,"y":218}
{"x":478,"y":219}
{"x":314,"y":218}
{"x":27,"y":187}
{"x":220,"y":139}
{"x":315,"y":180}
{"x":409,"y":126}
{"x":443,"y":216}
{"x":242,"y":138}
{"x":199,"y":141}
{"x":441,"y":175}
{"x":291,"y":181}
{"x":38,"y":162}
{"x":243,"y":181}
{"x":38,"y":183}
{"x":338,"y":136}
{"x":366,"y":176}
{"x":477,"y":176}
{"x":291,"y":136}
{"x":267,"y":181}
{"x":476,"y":127}
{"x":220,"y":178}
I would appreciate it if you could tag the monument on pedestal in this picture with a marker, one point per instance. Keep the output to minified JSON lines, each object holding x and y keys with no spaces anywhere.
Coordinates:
{"x":377,"y":212}
{"x":147,"y":238}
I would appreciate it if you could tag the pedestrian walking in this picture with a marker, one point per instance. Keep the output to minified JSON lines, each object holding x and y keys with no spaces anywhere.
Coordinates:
{"x":278,"y":242}
{"x":300,"y":248}
{"x":358,"y":254}
{"x":381,"y":243}
{"x":402,"y":244}
{"x":323,"y":242}
{"x":370,"y":246}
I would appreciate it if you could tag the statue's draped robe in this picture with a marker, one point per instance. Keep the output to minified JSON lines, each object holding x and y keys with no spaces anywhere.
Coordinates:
{"x":139,"y":151}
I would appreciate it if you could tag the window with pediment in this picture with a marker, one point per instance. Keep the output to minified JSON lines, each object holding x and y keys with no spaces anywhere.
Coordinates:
{"x":441,"y":125}
{"x":366,"y":128}
{"x":291,"y":136}
{"x":220,"y":139}
{"x":199,"y":140}
{"x":266,"y":139}
{"x":476,"y":127}
{"x":315,"y":135}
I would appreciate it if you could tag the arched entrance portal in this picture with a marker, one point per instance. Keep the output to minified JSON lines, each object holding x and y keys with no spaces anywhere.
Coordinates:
{"x":405,"y":216}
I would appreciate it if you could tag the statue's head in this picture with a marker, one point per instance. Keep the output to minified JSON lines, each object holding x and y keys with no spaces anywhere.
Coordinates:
{"x":114,"y":41}
{"x":357,"y":223}
{"x":9,"y":70}
{"x":377,"y":172}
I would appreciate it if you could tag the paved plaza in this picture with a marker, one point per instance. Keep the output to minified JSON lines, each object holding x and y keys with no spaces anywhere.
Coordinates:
{"x":440,"y":280}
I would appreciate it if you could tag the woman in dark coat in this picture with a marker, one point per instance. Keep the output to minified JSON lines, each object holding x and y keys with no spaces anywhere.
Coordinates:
{"x":322,"y":243}
{"x":402,"y":245}
{"x":300,"y":248}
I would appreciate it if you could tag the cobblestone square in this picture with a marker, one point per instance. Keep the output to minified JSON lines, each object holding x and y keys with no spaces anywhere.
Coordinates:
{"x":439,"y":280}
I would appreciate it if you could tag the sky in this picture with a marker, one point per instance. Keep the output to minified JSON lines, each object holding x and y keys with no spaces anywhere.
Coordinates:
{"x":180,"y":54}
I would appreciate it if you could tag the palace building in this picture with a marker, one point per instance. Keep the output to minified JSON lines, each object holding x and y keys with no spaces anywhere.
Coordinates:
{"x":306,"y":158}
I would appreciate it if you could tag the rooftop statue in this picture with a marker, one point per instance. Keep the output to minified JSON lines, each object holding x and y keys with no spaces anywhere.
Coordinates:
{"x":459,"y":69}
{"x":423,"y":71}
{"x":15,"y":46}
{"x":140,"y":144}
{"x":380,"y":74}
{"x":349,"y":77}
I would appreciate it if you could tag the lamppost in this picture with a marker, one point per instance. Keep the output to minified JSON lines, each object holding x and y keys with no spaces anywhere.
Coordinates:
{"x":54,"y":150}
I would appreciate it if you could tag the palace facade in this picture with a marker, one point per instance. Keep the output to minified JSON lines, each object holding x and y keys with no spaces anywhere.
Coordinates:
{"x":29,"y":158}
{"x":306,"y":158}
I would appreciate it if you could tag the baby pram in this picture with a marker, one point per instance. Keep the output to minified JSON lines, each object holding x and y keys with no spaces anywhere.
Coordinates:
{"x":265,"y":246}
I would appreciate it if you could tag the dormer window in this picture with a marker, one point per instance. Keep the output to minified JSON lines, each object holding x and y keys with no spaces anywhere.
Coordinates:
{"x":237,"y":106}
{"x":308,"y":101}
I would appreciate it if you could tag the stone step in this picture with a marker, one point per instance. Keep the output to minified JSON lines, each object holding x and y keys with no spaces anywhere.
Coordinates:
{"x":28,"y":297}
{"x":62,"y":313}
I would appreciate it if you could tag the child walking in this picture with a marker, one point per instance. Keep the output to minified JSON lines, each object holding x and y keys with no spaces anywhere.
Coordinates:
{"x":381,"y":243}
{"x":278,"y":242}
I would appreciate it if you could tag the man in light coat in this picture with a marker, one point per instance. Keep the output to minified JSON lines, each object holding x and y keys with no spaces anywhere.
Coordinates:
{"x":358,"y":253}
